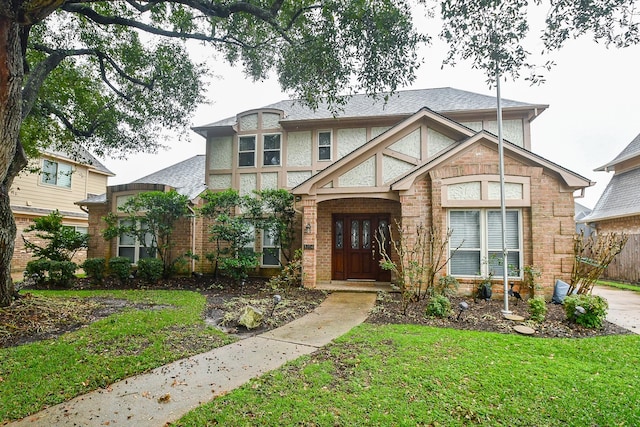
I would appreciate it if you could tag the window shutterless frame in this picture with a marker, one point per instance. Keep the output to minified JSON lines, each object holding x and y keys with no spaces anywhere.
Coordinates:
{"x":324,"y":145}
{"x":477,"y":235}
{"x":247,"y":151}
{"x":271,"y":149}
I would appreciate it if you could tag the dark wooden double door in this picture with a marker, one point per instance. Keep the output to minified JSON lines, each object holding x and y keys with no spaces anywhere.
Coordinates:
{"x":355,"y":254}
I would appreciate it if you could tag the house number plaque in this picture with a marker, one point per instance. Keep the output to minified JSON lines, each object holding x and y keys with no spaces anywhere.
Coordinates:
{"x":308,"y":247}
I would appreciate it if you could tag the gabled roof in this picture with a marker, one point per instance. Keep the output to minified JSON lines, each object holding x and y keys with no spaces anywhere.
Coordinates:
{"x":187,"y":177}
{"x":571,"y":179}
{"x":402,"y":103}
{"x":362,"y":150}
{"x":632,"y":150}
{"x":79,"y":155}
{"x":620,"y":198}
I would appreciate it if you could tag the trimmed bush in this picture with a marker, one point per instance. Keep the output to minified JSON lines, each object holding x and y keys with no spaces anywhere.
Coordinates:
{"x":49,"y":273}
{"x":595,"y":310}
{"x":120,"y":267}
{"x":537,"y":308}
{"x":150,"y":269}
{"x":95,"y":268}
{"x":438,"y":306}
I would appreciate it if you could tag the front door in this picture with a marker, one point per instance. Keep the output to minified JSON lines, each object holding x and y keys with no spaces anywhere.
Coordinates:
{"x":355,"y":252}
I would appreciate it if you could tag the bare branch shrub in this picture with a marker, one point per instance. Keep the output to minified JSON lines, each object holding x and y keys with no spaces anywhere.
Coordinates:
{"x":592,"y":256}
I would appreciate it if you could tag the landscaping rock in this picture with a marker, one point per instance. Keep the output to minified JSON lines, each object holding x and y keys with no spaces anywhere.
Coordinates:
{"x":251,"y":317}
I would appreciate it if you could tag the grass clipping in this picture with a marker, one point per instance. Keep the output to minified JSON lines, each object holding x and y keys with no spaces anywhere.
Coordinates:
{"x":39,"y":317}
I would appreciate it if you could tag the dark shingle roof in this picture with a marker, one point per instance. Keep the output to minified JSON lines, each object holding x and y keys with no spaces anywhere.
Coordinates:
{"x":630,"y":151}
{"x":441,"y":100}
{"x":187,"y":177}
{"x":620,"y":198}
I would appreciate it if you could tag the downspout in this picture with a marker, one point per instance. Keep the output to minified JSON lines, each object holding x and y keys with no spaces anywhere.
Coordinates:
{"x":193,"y":238}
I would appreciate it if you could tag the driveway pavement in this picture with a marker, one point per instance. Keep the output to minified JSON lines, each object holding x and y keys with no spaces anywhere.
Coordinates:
{"x":624,"y":307}
{"x":167,"y":393}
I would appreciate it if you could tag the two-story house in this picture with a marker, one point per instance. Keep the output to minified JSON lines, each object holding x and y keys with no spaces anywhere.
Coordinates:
{"x":53,"y":181}
{"x":425,"y":157}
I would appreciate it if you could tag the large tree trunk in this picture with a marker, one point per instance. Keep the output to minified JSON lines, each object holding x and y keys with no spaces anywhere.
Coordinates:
{"x":11,"y":154}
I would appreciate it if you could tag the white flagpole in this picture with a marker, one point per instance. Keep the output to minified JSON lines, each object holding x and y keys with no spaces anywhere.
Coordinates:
{"x":503,"y":209}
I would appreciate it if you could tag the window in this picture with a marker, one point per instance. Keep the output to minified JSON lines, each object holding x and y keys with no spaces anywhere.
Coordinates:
{"x":271,"y":147}
{"x":130,"y":247}
{"x":247,"y":151}
{"x":249,"y":246}
{"x":55,"y":173}
{"x":478,"y":236}
{"x":324,"y":145}
{"x":270,"y":248}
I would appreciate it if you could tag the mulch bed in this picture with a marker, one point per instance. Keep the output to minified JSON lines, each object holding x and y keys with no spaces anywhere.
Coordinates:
{"x":35,"y":318}
{"x":487,"y":316}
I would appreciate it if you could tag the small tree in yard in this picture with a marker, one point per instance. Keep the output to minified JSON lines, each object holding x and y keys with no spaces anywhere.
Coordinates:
{"x":150,"y":219}
{"x":421,"y":258}
{"x":276,"y":215}
{"x":233,"y":232}
{"x":59,"y":244}
{"x":592,"y":256}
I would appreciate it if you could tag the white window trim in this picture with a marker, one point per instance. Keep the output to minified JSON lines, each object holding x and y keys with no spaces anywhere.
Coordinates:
{"x":484,"y":244}
{"x":272,"y":150}
{"x":263,"y":247}
{"x":58,"y":173}
{"x":136,"y":244}
{"x":330,"y":146}
{"x":255,"y":149}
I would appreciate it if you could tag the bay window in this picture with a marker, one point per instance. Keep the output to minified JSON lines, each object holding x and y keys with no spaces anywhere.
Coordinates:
{"x":477,"y":235}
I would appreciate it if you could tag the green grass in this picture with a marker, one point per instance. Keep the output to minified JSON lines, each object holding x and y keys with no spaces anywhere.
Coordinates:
{"x":619,"y":285}
{"x":411,"y":375}
{"x":34,"y":376}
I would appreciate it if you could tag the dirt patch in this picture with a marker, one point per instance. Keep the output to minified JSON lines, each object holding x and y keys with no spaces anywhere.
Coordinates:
{"x":32,"y":318}
{"x":486,"y":316}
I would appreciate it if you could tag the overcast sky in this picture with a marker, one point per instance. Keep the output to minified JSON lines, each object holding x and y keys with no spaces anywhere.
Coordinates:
{"x":593,"y":95}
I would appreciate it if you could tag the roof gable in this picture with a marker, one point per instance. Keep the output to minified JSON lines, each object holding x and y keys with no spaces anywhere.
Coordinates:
{"x":390,"y":154}
{"x":571,"y":179}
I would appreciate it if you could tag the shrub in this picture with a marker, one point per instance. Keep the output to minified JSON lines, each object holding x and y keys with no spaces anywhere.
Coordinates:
{"x":290,"y":275}
{"x":49,"y":273}
{"x":95,"y":268}
{"x":438,"y":306}
{"x":447,"y":286}
{"x":595,"y":310}
{"x":537,"y":308}
{"x":120,"y":267}
{"x":150,"y":269}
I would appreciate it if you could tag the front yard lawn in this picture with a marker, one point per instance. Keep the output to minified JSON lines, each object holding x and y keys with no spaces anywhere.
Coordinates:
{"x":152,"y":329}
{"x":399,"y":375}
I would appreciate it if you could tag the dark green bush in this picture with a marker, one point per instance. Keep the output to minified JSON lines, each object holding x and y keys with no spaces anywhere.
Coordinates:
{"x":537,"y":308}
{"x":447,"y":286}
{"x":58,"y":274}
{"x":595,"y":310}
{"x":438,"y":306}
{"x":120,"y":267}
{"x":150,"y":269}
{"x":95,"y":268}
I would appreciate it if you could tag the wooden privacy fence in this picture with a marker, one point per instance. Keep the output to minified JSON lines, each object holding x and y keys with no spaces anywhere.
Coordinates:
{"x":625,"y":266}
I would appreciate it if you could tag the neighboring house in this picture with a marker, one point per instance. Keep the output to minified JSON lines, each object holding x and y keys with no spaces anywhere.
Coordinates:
{"x":58,"y":182}
{"x":618,"y":210}
{"x":422,"y":157}
{"x":581,"y":212}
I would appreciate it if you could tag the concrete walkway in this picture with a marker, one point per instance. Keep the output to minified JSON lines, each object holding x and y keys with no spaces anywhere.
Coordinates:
{"x":167,"y":393}
{"x":624,"y":307}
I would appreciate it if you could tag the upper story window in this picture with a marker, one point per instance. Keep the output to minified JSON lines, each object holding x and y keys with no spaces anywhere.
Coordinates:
{"x":324,"y":145}
{"x":247,"y":151}
{"x":271,"y":148}
{"x":56,"y":173}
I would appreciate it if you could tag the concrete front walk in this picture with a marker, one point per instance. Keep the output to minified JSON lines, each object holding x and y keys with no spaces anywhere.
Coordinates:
{"x":624,"y":307}
{"x":166,"y":393}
